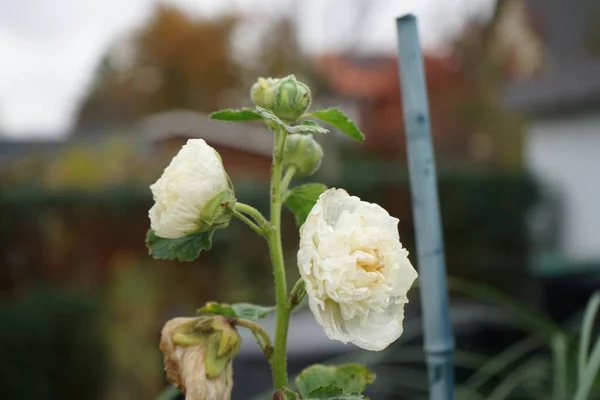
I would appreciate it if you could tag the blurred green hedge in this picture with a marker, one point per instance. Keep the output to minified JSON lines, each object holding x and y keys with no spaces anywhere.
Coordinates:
{"x":484,"y":220}
{"x":52,"y":347}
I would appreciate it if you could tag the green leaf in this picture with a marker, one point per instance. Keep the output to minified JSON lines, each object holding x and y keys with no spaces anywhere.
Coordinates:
{"x":289,"y":394}
{"x":217,"y":211}
{"x":305,"y":127}
{"x":326,"y":392}
{"x":244,"y":114}
{"x":500,"y":362}
{"x":591,"y":371}
{"x":332,"y":392}
{"x":301,"y":199}
{"x":301,"y":128}
{"x":309,"y":123}
{"x":326,"y":396}
{"x":247,"y":311}
{"x":351,"y":378}
{"x":587,"y":327}
{"x":186,"y":248}
{"x":337,"y":118}
{"x":250,"y":311}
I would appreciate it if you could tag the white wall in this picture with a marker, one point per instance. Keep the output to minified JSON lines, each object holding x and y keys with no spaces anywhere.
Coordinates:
{"x":565,"y":153}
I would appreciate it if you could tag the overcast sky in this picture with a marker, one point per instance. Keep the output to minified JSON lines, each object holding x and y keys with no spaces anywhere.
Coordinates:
{"x":50,"y":48}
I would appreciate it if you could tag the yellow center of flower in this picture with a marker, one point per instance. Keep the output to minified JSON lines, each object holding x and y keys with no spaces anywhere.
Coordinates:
{"x":369,"y":260}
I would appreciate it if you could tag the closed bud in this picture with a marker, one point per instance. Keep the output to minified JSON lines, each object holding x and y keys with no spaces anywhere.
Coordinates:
{"x":302,"y":152}
{"x":194,"y":193}
{"x":290,"y":99}
{"x":198,"y":354}
{"x":262,"y":91}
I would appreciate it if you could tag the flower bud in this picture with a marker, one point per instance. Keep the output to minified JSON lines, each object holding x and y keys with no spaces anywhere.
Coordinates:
{"x":290,"y":98}
{"x":262,"y":91}
{"x":198,"y":354}
{"x":302,"y":152}
{"x":194,"y":193}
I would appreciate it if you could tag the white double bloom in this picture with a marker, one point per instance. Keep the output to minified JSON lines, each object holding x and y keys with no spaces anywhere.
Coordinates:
{"x":356,"y":271}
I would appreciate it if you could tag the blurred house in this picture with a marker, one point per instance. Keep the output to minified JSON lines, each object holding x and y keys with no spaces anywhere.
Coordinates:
{"x":245,"y":148}
{"x":372,"y":84}
{"x":553,"y":53}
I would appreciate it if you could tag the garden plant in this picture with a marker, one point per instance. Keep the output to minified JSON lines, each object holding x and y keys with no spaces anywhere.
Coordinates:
{"x":354,"y":270}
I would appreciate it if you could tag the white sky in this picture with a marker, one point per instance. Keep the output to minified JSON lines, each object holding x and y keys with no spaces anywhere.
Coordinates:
{"x":50,"y":48}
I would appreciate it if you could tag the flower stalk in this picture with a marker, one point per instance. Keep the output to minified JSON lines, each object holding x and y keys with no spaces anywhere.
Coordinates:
{"x":260,"y":333}
{"x":252,"y":217}
{"x":297,"y":294}
{"x":279,"y":359}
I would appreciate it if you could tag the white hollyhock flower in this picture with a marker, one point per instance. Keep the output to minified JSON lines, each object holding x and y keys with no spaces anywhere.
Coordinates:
{"x":194,"y":177}
{"x":356,"y":271}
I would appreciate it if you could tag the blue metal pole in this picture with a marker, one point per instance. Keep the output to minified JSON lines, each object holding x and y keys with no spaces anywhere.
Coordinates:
{"x":439,"y":342}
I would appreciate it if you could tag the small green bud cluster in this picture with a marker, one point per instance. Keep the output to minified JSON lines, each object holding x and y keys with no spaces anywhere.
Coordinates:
{"x":287,"y":98}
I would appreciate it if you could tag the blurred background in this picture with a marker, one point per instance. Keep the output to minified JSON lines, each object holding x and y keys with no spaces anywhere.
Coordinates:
{"x":97,"y":96}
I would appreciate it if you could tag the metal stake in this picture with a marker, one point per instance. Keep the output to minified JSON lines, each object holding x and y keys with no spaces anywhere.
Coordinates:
{"x":439,"y":342}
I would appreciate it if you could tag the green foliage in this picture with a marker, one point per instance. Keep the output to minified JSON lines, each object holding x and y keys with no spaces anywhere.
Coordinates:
{"x":251,"y":312}
{"x":186,"y":248}
{"x":306,"y":129}
{"x":326,"y":392}
{"x":244,"y":114}
{"x":52,"y":347}
{"x":529,"y":318}
{"x":588,"y":368}
{"x":519,"y":367}
{"x":337,"y":118}
{"x":290,"y":395}
{"x":331,"y":392}
{"x":301,"y":200}
{"x":309,"y":123}
{"x":333,"y":380}
{"x":301,"y":128}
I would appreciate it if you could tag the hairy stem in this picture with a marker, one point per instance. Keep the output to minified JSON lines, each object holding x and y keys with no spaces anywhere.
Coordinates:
{"x":279,"y":359}
{"x":285,"y":182}
{"x":252,"y":212}
{"x":297,"y":294}
{"x":261,"y":335}
{"x":248,"y":222}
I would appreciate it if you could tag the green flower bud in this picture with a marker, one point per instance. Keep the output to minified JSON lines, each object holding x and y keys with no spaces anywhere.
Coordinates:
{"x":198,"y":353}
{"x":302,"y":152}
{"x":290,"y":99}
{"x":262,"y":91}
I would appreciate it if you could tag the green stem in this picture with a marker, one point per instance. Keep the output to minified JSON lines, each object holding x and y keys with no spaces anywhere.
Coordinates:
{"x":279,"y":359}
{"x":248,"y":222}
{"x":287,"y":178}
{"x":254,"y":213}
{"x":261,"y":335}
{"x":297,"y":294}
